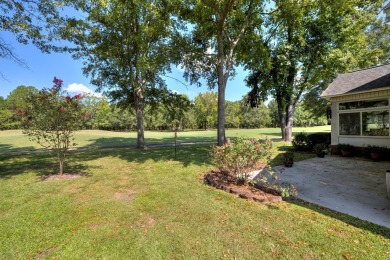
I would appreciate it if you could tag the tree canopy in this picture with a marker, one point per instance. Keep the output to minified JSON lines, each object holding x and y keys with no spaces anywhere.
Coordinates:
{"x":33,"y":21}
{"x":126,"y":47}
{"x":302,"y":44}
{"x":219,"y":27}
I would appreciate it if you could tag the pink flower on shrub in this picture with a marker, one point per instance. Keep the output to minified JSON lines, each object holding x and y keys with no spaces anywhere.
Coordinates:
{"x":62,"y":108}
{"x":68,"y":98}
{"x":21,"y":112}
{"x":57,"y":82}
{"x":77,"y":96}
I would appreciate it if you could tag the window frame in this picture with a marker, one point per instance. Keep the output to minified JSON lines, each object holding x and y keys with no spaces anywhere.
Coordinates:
{"x":360,"y":111}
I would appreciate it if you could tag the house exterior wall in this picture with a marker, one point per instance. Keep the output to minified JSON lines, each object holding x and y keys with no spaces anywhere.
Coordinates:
{"x":358,"y":140}
{"x":334,"y":124}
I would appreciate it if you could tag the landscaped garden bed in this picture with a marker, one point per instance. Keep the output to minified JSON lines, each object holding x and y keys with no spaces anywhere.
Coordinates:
{"x":236,"y":160}
{"x":248,"y":191}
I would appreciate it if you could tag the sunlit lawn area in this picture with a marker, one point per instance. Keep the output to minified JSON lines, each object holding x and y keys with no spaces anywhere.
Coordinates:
{"x":14,"y":140}
{"x":145,"y":205}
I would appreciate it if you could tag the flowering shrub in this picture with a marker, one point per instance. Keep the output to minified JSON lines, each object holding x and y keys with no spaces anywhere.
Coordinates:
{"x":52,"y":118}
{"x":240,"y":156}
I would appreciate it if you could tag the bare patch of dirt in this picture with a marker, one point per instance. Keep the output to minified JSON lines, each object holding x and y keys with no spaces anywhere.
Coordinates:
{"x":126,"y":195}
{"x":146,"y":223}
{"x":64,"y":176}
{"x":94,"y":226}
{"x":223,"y":181}
{"x":44,"y":253}
{"x":151,"y":222}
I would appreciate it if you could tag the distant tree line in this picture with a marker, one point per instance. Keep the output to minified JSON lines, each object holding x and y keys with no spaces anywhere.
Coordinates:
{"x":200,"y":113}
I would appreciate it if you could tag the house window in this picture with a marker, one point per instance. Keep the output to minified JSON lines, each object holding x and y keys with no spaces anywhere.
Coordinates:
{"x":375,"y":123}
{"x":365,"y":118}
{"x":349,"y":124}
{"x":364,"y":104}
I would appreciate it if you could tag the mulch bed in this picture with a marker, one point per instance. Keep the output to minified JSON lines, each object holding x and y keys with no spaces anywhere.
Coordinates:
{"x":256,"y":192}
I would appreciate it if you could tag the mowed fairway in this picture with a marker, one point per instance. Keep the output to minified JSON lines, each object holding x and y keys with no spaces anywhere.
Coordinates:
{"x":14,"y":140}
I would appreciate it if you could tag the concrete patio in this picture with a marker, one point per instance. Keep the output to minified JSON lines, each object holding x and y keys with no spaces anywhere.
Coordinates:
{"x":354,"y":186}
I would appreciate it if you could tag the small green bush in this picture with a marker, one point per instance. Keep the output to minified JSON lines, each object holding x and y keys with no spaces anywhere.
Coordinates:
{"x":288,"y":156}
{"x":240,"y":156}
{"x":318,"y":138}
{"x":376,"y":149}
{"x":320,"y":148}
{"x":301,"y":142}
{"x":306,"y":142}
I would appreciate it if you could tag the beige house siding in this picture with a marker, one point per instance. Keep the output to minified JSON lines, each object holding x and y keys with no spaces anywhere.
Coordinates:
{"x":335,"y":124}
{"x":361,"y":96}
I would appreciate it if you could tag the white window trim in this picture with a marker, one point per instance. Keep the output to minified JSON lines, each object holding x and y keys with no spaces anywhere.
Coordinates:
{"x":360,"y":111}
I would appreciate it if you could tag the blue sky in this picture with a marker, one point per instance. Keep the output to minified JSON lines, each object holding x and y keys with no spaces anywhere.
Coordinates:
{"x":43,"y":67}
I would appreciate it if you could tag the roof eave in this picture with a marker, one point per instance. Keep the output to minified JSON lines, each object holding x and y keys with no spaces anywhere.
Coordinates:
{"x":349,"y":93}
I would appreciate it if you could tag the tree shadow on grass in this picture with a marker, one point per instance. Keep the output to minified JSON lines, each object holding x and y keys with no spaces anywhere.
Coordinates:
{"x":186,"y":155}
{"x":128,"y":142}
{"x":362,"y":224}
{"x":43,"y":164}
{"x":7,"y":148}
{"x":15,"y":164}
{"x":298,"y":155}
{"x":188,"y":150}
{"x":131,"y":142}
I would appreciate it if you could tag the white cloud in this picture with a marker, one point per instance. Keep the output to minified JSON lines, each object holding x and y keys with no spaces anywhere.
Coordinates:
{"x":80,"y":88}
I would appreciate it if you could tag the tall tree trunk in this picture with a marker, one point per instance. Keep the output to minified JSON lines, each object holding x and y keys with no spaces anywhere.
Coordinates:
{"x":138,"y":91}
{"x":289,"y":122}
{"x":282,"y":118}
{"x":222,"y":11}
{"x":283,"y":126}
{"x":139,"y":110}
{"x":221,"y":87}
{"x":221,"y":115}
{"x":290,"y":106}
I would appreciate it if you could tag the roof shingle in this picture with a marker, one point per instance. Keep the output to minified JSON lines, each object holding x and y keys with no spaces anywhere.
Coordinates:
{"x":359,"y":81}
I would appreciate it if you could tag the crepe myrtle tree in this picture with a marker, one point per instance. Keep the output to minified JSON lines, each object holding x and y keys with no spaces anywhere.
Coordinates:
{"x":51,"y":119}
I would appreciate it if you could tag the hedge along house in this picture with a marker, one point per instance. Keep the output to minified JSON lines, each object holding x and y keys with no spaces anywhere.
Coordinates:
{"x":360,"y":102}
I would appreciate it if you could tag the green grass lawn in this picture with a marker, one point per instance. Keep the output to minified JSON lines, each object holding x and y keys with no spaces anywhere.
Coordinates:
{"x":143,"y":204}
{"x":14,"y":140}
